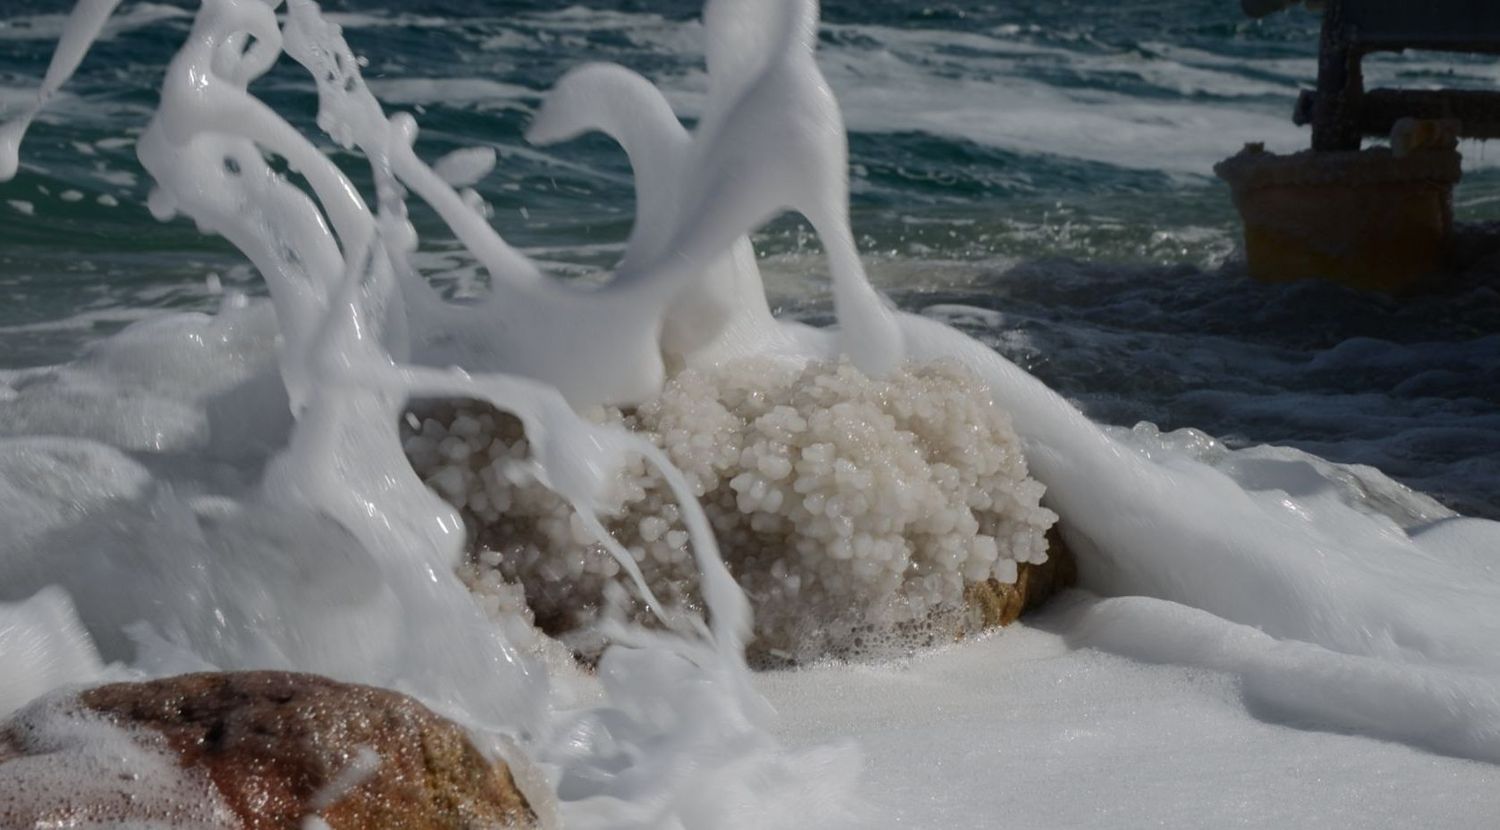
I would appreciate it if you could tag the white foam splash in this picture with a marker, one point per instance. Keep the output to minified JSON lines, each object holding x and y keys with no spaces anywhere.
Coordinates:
{"x":358,"y":330}
{"x":44,"y":647}
{"x":322,"y":550}
{"x":83,"y":27}
{"x":77,"y":769}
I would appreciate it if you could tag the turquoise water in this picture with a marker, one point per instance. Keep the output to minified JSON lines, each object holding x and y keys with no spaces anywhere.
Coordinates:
{"x":1038,"y":173}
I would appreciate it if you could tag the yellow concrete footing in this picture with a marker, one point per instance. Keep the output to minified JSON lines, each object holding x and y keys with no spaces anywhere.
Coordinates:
{"x":1366,"y":219}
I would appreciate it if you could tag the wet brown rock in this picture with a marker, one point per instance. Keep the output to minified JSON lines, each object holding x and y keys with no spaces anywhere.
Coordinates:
{"x":277,"y":746}
{"x":994,"y":603}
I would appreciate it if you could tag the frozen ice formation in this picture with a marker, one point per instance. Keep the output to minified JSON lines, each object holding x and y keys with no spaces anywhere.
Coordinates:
{"x":850,"y":509}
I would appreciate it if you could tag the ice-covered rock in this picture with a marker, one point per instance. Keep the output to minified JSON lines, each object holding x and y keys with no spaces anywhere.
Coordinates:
{"x":852,"y":510}
{"x":248,"y":750}
{"x":994,"y":603}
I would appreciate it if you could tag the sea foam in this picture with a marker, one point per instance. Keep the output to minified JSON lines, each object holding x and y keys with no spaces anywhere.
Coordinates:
{"x":222,"y":535}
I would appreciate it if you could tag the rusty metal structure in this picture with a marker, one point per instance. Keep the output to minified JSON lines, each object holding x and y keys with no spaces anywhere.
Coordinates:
{"x":1341,"y":111}
{"x":1379,"y":218}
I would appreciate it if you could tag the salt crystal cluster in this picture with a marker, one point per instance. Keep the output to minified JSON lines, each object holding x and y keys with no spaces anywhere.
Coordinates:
{"x":850,"y":509}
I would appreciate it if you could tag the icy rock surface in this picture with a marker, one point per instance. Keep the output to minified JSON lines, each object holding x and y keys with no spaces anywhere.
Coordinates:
{"x":250,"y":750}
{"x":850,"y":509}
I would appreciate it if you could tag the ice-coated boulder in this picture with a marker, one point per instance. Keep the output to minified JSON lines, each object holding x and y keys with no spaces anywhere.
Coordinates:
{"x":253,"y":750}
{"x":855,"y":512}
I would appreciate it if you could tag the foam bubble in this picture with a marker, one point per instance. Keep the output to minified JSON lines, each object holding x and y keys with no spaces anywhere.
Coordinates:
{"x":77,"y":769}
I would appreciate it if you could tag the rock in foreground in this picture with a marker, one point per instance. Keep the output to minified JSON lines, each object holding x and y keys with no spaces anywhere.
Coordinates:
{"x":279,"y":748}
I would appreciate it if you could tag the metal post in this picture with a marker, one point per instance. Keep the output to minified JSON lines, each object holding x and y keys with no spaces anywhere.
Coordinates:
{"x":1335,"y":116}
